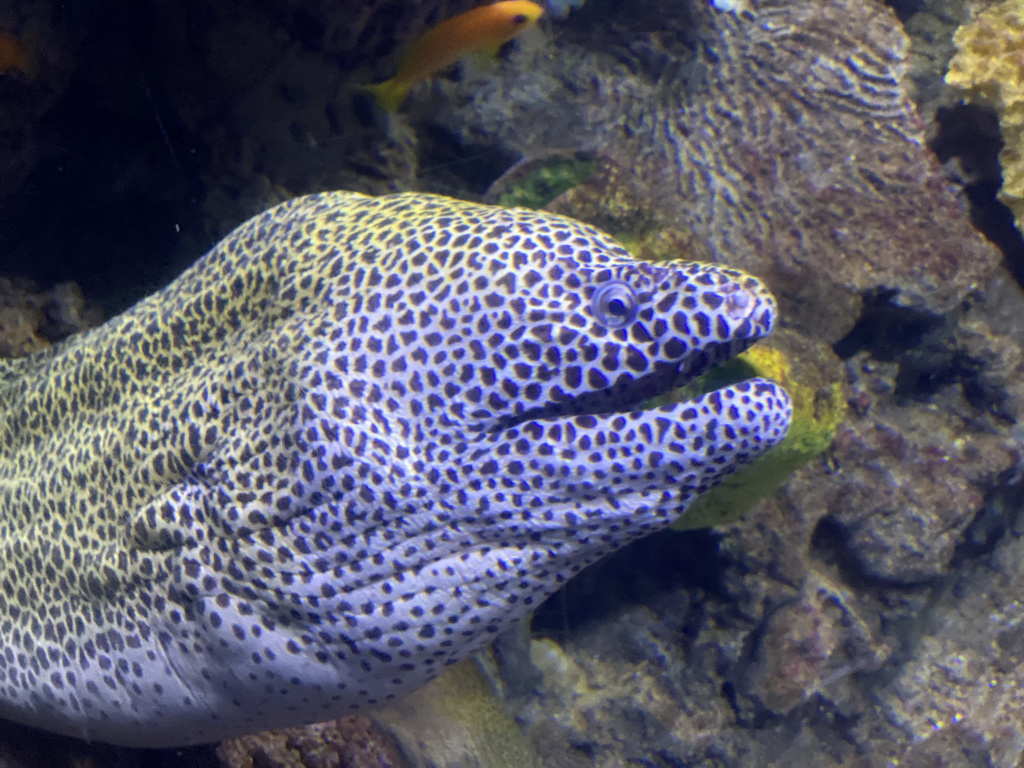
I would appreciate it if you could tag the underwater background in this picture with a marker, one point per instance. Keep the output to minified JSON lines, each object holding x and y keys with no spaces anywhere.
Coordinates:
{"x":863,"y":158}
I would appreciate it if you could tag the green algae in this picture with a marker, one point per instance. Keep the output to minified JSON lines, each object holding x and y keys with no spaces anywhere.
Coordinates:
{"x":544,"y":182}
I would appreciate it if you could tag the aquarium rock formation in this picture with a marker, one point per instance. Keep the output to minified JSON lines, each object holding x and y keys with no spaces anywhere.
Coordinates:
{"x":783,"y":137}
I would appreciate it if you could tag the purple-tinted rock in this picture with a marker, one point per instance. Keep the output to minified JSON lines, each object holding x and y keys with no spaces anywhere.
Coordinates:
{"x":349,"y":742}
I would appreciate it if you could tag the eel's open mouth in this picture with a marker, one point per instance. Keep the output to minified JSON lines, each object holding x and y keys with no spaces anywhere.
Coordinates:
{"x":670,"y":382}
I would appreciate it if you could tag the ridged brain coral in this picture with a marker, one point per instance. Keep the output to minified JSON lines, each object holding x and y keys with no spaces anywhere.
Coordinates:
{"x":782,"y":137}
{"x":989,"y":65}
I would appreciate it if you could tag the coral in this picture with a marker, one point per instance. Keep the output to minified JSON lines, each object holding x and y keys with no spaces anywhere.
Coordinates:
{"x":783,"y":138}
{"x":349,"y":742}
{"x":989,"y":67}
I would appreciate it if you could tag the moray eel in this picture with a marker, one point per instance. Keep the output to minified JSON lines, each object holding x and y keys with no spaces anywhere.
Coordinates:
{"x":349,"y":446}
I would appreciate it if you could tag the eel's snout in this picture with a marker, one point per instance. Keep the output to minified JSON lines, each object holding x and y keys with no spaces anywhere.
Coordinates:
{"x":697,"y":316}
{"x":740,"y":423}
{"x":743,"y":306}
{"x":757,"y":408}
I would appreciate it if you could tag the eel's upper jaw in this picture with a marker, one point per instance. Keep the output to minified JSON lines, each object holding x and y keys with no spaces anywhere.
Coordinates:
{"x":755,"y":318}
{"x":745,"y":313}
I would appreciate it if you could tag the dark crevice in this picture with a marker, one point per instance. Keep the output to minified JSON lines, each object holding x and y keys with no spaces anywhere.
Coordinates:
{"x":830,"y":545}
{"x":968,"y":141}
{"x":928,"y":353}
{"x":636,"y":575}
{"x":995,"y":221}
{"x":886,"y":330}
{"x":110,"y":202}
{"x":1000,"y":513}
{"x":904,"y":9}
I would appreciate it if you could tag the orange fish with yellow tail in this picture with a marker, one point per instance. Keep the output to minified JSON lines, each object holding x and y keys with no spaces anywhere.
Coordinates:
{"x":484,"y":28}
{"x":15,"y":55}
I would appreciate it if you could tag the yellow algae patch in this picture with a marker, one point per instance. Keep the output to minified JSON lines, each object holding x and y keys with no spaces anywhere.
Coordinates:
{"x":989,"y":66}
{"x":458,"y":719}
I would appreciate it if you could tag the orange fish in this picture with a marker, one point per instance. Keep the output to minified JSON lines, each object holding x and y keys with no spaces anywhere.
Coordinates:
{"x":482,"y":28}
{"x":14,"y":55}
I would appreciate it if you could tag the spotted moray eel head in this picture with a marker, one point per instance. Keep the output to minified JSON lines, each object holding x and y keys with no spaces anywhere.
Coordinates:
{"x":352,"y":444}
{"x":467,"y":431}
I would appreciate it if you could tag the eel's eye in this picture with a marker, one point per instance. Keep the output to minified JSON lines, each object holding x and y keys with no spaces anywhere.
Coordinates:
{"x":519,"y":19}
{"x":614,"y":304}
{"x":739,"y":302}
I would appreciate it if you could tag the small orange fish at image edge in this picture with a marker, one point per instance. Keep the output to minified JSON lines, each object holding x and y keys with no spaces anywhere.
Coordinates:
{"x":14,"y":55}
{"x":484,"y":28}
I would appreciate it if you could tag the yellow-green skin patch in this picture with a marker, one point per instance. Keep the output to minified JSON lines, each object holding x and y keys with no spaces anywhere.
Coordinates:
{"x":349,"y":446}
{"x":466,"y":720}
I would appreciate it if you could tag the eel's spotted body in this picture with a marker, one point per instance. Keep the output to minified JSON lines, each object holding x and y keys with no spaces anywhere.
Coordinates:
{"x":350,"y":445}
